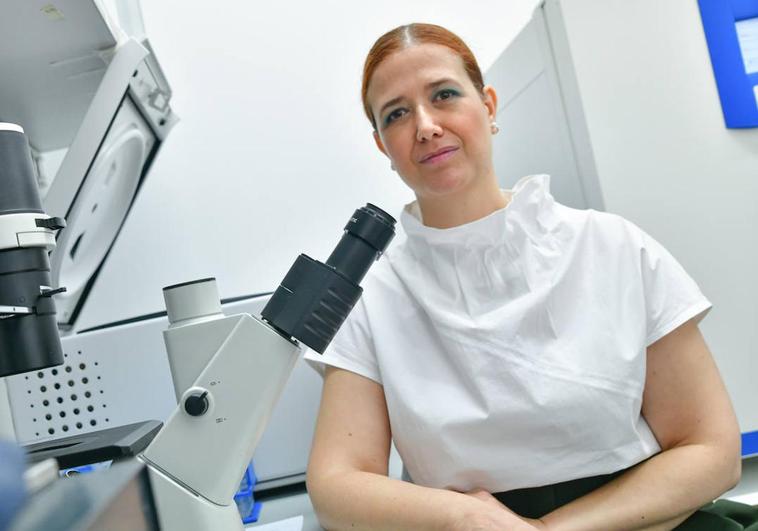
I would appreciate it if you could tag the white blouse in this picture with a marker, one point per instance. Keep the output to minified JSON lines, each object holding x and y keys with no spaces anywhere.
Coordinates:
{"x":512,"y":349}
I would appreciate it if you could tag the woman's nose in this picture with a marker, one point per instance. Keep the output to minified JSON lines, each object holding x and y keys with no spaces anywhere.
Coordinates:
{"x":427,"y":126}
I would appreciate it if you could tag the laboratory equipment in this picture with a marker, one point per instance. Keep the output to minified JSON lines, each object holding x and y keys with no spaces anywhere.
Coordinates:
{"x":89,"y":121}
{"x":133,"y":351}
{"x":95,"y":106}
{"x":120,"y":498}
{"x":731,"y":31}
{"x":28,"y":331}
{"x":112,"y":444}
{"x":229,"y":371}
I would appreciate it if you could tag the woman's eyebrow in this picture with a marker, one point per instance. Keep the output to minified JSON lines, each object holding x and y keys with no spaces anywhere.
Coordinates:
{"x":390,"y":103}
{"x":443,"y":81}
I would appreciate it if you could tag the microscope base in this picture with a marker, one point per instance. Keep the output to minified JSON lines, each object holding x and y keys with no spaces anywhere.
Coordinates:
{"x":180,"y":509}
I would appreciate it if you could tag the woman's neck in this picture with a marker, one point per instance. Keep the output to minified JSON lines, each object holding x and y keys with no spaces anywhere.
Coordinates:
{"x":451,"y":210}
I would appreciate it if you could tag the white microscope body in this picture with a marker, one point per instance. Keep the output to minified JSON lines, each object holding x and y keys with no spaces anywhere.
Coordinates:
{"x":229,"y":372}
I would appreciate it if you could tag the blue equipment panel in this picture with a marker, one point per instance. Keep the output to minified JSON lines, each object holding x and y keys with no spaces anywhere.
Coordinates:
{"x":750,"y":444}
{"x":731,"y":29}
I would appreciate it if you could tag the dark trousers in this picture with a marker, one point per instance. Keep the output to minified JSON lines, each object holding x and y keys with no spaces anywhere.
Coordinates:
{"x":536,"y":502}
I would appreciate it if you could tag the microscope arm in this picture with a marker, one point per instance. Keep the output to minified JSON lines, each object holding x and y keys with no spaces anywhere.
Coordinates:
{"x":229,"y":372}
{"x":210,"y":438}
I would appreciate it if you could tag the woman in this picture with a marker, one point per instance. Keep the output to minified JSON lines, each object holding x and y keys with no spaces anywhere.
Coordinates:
{"x":510,"y":343}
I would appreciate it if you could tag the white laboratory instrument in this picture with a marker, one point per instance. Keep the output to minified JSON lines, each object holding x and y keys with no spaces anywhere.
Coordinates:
{"x":28,"y":333}
{"x":229,"y":372}
{"x":29,"y":337}
{"x":95,"y":107}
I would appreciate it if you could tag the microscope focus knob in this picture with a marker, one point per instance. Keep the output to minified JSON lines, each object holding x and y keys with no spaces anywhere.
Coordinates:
{"x":196,"y":404}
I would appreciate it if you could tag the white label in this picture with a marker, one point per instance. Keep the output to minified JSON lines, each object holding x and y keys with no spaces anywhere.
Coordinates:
{"x":747,"y":34}
{"x":755,"y":93}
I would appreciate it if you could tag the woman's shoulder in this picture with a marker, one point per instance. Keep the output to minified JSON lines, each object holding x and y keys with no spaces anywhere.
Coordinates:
{"x":601,"y":225}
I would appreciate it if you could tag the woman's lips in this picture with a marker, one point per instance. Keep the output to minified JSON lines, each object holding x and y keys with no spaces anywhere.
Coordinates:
{"x":439,"y":155}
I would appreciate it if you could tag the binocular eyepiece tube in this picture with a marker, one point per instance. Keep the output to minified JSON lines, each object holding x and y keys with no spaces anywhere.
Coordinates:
{"x":314,"y":299}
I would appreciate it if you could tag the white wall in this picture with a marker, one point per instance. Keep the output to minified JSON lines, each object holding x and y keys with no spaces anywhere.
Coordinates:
{"x":272,"y":153}
{"x":666,"y":161}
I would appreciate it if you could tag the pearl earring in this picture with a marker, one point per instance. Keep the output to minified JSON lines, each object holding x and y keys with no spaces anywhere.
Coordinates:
{"x":494,"y":128}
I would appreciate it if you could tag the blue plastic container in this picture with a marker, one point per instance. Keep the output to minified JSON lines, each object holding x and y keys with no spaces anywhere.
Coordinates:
{"x":249,"y":509}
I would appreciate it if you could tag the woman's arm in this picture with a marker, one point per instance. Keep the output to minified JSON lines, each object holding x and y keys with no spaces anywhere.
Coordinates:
{"x":347,"y":473}
{"x":687,"y":407}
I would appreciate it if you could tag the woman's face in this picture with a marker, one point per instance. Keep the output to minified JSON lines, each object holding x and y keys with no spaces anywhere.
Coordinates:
{"x":431,"y":121}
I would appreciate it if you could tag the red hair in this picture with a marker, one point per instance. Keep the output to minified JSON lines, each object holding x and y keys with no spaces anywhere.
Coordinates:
{"x":409,"y":35}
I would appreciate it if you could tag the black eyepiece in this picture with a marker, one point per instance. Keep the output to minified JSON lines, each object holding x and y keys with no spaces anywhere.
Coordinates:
{"x":367,"y":234}
{"x":314,"y":299}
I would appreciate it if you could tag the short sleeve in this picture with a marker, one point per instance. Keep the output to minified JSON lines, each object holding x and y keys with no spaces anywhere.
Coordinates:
{"x":672,"y":297}
{"x":351,"y":349}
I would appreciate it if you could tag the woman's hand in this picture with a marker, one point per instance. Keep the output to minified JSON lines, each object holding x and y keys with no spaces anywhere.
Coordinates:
{"x":537,"y":524}
{"x":488,"y":514}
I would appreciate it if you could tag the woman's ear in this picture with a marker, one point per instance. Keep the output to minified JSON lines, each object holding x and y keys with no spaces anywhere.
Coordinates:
{"x":489,"y":96}
{"x":379,"y":143}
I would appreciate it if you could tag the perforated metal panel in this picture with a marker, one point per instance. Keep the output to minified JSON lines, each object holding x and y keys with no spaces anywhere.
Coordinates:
{"x":109,"y":378}
{"x":65,"y":400}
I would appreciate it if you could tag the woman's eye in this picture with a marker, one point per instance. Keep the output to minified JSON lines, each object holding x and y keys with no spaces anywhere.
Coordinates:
{"x":446,"y":94}
{"x":394,"y":115}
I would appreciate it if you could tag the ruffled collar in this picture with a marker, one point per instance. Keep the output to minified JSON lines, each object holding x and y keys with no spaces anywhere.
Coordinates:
{"x":530,"y":213}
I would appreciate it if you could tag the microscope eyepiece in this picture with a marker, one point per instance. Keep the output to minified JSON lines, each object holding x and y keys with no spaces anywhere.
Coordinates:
{"x":367,"y":234}
{"x":314,"y":299}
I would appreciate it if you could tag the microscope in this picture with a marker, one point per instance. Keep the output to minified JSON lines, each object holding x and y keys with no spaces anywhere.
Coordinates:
{"x":29,"y":337}
{"x":229,"y":372}
{"x":28,"y":327}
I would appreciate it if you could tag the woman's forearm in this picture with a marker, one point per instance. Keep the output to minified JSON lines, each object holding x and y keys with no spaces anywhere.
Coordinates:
{"x":359,"y":500}
{"x":362,"y":500}
{"x":658,"y":494}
